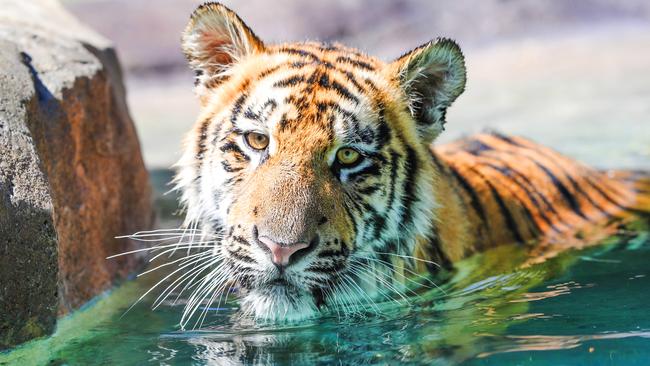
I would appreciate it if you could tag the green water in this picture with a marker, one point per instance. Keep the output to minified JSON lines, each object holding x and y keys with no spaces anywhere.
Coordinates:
{"x":582,"y":307}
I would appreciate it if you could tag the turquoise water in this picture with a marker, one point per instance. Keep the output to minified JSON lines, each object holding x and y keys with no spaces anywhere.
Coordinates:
{"x":589,"y":306}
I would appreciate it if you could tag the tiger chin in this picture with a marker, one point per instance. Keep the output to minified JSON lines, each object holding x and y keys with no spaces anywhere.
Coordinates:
{"x":313,"y":163}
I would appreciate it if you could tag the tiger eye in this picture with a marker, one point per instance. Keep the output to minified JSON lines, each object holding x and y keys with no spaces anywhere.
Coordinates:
{"x":257,"y":141}
{"x":347,"y":156}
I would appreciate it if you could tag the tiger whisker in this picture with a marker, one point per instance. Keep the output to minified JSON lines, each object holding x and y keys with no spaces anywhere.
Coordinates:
{"x":209,"y":284}
{"x":387,"y":264}
{"x":390,"y":286}
{"x":410,"y":257}
{"x":346,"y":299}
{"x":149,"y":249}
{"x":159,"y":232}
{"x":216,"y":291}
{"x":362,"y":292}
{"x":221,"y":297}
{"x":190,"y":284}
{"x":196,"y":245}
{"x":188,"y":277}
{"x":368,"y":278}
{"x":183,"y":259}
{"x":212,"y":280}
{"x":152,"y":288}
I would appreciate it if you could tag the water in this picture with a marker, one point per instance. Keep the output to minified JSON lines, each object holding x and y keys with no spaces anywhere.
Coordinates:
{"x":588,"y":306}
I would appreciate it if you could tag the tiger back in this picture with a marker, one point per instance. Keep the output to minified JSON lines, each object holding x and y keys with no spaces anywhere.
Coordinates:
{"x":513,"y":190}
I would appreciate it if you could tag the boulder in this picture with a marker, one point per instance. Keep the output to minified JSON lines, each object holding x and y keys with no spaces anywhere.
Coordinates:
{"x":71,"y":174}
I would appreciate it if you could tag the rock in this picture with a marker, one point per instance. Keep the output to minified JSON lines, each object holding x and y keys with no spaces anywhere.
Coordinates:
{"x":71,"y":174}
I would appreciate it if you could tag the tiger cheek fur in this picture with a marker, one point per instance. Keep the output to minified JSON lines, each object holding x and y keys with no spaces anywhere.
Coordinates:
{"x":303,"y":224}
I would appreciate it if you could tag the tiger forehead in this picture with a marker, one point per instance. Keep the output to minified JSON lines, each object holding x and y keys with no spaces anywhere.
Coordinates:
{"x":328,"y":55}
{"x":316,"y":90}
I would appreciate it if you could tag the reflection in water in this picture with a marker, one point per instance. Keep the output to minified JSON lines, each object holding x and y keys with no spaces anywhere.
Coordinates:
{"x":549,"y":343}
{"x":555,"y":290}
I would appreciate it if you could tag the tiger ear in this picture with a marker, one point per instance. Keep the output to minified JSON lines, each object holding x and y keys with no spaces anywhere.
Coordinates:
{"x":432,"y":76}
{"x":215,"y":39}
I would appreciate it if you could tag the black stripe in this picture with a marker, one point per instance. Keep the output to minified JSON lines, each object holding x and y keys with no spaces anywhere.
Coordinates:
{"x":369,"y":190}
{"x":372,"y":169}
{"x":571,"y":180}
{"x":474,"y":198}
{"x":350,"y":77}
{"x":507,"y":140}
{"x":479,"y":241}
{"x":351,"y":117}
{"x":357,"y":63}
{"x":505,"y":212}
{"x":437,"y":255}
{"x":367,"y":135}
{"x":203,"y":135}
{"x":383,"y":133}
{"x":476,"y":147}
{"x":505,"y":172}
{"x":325,"y":82}
{"x":548,"y":205}
{"x":301,"y":103}
{"x":268,"y":71}
{"x":607,"y":197}
{"x":229,"y":168}
{"x":290,"y":81}
{"x":408,"y":190}
{"x":510,"y":221}
{"x":267,"y":108}
{"x":351,"y":216}
{"x":323,"y":269}
{"x":251,"y":115}
{"x":240,"y":256}
{"x":568,"y":176}
{"x":237,"y":108}
{"x":379,"y":224}
{"x":232,"y":147}
{"x":343,"y":91}
{"x":328,"y":47}
{"x":579,"y":189}
{"x":298,"y":64}
{"x":394,"y":157}
{"x":371,"y":84}
{"x":241,"y":240}
{"x":233,"y":181}
{"x":330,"y":253}
{"x":567,"y":196}
{"x":387,"y":259}
{"x":532,"y":193}
{"x":299,"y":52}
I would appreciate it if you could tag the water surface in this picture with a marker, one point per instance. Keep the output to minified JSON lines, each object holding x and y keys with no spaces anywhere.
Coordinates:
{"x":587,"y":306}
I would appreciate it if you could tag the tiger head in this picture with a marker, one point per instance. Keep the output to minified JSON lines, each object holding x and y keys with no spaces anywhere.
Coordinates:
{"x":310,"y":161}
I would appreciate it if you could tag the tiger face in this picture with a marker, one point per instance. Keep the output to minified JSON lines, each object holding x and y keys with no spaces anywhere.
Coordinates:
{"x":310,"y":161}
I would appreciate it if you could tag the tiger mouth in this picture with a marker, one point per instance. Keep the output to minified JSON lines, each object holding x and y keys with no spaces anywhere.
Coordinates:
{"x":280,"y":301}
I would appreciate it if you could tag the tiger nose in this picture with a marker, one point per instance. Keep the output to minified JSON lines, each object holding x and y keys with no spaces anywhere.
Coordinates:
{"x":280,"y":253}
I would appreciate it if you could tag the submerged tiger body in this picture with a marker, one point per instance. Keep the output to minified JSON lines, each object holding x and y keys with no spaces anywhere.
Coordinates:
{"x":512,"y":190}
{"x":312,"y":164}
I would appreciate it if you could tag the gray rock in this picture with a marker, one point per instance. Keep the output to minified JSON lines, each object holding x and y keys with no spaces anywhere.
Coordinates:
{"x":71,"y":174}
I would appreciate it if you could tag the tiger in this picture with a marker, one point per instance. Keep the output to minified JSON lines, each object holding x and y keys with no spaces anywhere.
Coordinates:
{"x":314,"y":166}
